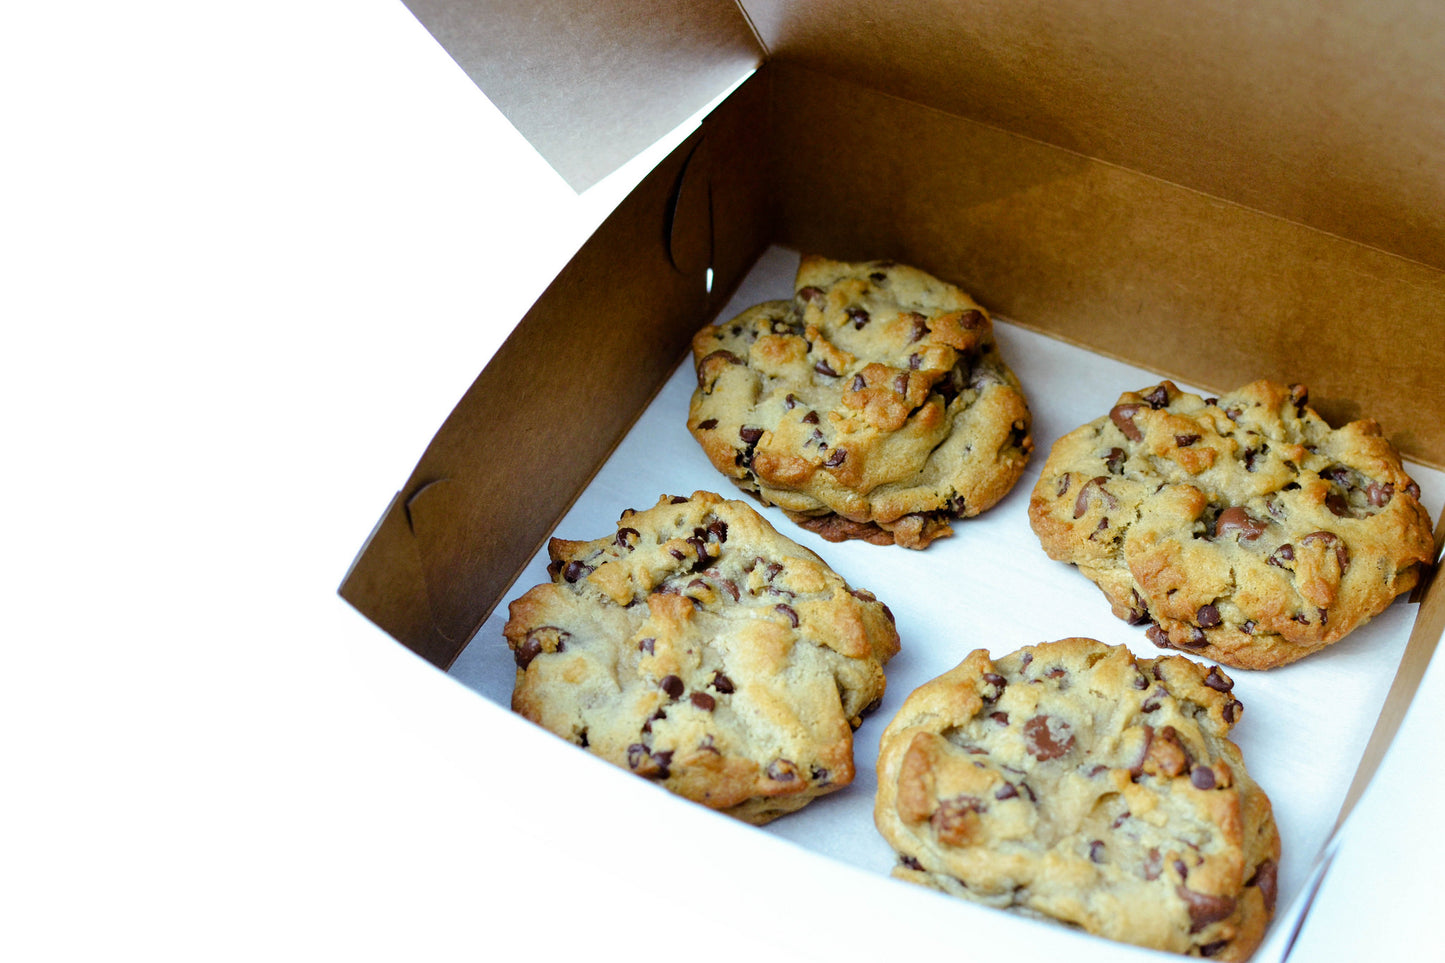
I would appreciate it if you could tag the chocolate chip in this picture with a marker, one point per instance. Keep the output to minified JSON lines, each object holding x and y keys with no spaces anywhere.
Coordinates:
{"x":1046,"y":737}
{"x":972,"y":318}
{"x":824,"y":368}
{"x":836,"y":459}
{"x":910,"y":863}
{"x":788,"y":611}
{"x":997,"y":681}
{"x":1208,"y":616}
{"x":878,"y":276}
{"x":672,"y":685}
{"x":1212,"y":949}
{"x":1217,"y":681}
{"x":1266,"y":877}
{"x":707,"y":425}
{"x":1096,"y":851}
{"x":1184,"y":441}
{"x":1006,"y":791}
{"x":1158,"y":397}
{"x":920,"y":326}
{"x":782,"y":770}
{"x":527,"y":651}
{"x":1138,"y":610}
{"x":1158,"y":636}
{"x":1114,"y":461}
{"x":1119,"y":820}
{"x":859,"y":382}
{"x":790,"y":402}
{"x":1232,"y":710}
{"x":1285,"y":553}
{"x":1236,"y":520}
{"x":1300,"y":395}
{"x":723,"y":684}
{"x":677,"y":500}
{"x":811,"y":418}
{"x":821,"y":776}
{"x":652,"y":765}
{"x":1379,"y":494}
{"x":1197,"y":639}
{"x":627,"y":537}
{"x":1337,"y":504}
{"x":1202,"y":777}
{"x":1000,"y":717}
{"x":647,"y":645}
{"x":1081,"y":503}
{"x":810,"y":293}
{"x":750,"y":435}
{"x":1152,"y":866}
{"x":1342,"y":551}
{"x":915,"y":361}
{"x":858,"y":316}
{"x":703,"y":701}
{"x":1062,"y":487}
{"x":1205,"y":908}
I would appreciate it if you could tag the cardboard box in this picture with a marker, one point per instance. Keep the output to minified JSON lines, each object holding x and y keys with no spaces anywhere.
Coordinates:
{"x":1212,"y":195}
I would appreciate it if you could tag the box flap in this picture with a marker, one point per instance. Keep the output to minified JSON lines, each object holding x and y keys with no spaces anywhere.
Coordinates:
{"x":590,"y":85}
{"x":1332,"y":115}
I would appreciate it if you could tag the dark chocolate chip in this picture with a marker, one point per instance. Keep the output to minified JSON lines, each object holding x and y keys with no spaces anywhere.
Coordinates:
{"x":1205,"y":908}
{"x":788,"y":611}
{"x":1000,"y":717}
{"x":1114,"y":461}
{"x":750,"y":435}
{"x":673,"y":686}
{"x":703,"y":701}
{"x":1235,"y":519}
{"x":527,"y":651}
{"x":1212,"y":949}
{"x":1202,"y":777}
{"x":1006,"y":791}
{"x":1158,"y":397}
{"x":782,"y":770}
{"x":1266,"y":877}
{"x":1217,"y":680}
{"x":1208,"y":616}
{"x":1096,"y":851}
{"x":723,"y":684}
{"x":836,"y":459}
{"x":707,"y":425}
{"x":647,"y":645}
{"x":824,"y":368}
{"x":1123,"y":418}
{"x":1184,"y":441}
{"x":1046,"y":737}
{"x":858,"y":316}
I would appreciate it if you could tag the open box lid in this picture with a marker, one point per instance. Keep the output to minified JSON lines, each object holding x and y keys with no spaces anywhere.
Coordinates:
{"x":592,"y":84}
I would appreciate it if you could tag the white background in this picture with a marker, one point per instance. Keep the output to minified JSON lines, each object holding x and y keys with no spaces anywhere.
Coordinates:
{"x":250,"y":256}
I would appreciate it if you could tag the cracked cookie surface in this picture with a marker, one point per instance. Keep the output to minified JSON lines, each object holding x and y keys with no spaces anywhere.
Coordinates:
{"x":873,"y":405}
{"x":1070,"y":781}
{"x":698,"y":648}
{"x":1244,"y":528}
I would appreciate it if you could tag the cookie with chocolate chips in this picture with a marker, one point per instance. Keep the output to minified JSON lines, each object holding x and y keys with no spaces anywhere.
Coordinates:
{"x":1070,"y":781}
{"x":1241,"y":528}
{"x":698,"y":648}
{"x":873,"y":405}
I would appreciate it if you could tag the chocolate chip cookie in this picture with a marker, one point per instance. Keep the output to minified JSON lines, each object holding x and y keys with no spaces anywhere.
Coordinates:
{"x":699,"y":648}
{"x":1070,"y":781}
{"x":873,"y":405}
{"x":1244,"y":527}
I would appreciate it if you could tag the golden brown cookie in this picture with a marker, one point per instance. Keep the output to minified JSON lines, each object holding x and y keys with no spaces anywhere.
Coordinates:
{"x":873,"y":405}
{"x":697,"y":647}
{"x":1244,"y":527}
{"x":1068,"y":781}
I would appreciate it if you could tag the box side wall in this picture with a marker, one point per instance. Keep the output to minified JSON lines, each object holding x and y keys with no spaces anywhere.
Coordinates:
{"x":1197,"y":289}
{"x":1329,"y":114}
{"x":566,"y":386}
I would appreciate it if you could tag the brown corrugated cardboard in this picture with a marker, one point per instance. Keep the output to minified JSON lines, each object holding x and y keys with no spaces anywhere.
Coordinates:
{"x":1151,"y":251}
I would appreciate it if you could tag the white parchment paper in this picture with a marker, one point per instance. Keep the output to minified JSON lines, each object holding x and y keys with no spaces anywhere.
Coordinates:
{"x":1304,"y":726}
